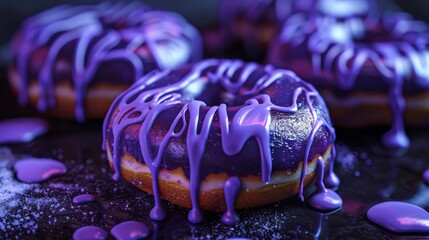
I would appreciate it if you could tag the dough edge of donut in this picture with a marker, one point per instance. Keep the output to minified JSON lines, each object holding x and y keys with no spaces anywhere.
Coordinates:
{"x":174,"y":186}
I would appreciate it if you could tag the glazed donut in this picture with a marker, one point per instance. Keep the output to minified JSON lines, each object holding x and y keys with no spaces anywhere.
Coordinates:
{"x":190,"y":135}
{"x":74,"y":60}
{"x":377,"y":73}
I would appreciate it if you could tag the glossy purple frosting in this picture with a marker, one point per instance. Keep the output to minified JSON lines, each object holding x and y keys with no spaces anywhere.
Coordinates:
{"x":219,"y":116}
{"x":84,"y":198}
{"x":86,"y":44}
{"x":90,"y":233}
{"x":375,"y":54}
{"x":130,"y":230}
{"x":36,"y":170}
{"x":400,"y":217}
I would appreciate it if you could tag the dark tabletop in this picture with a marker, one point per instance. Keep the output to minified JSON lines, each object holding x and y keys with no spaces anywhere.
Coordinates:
{"x":45,"y":211}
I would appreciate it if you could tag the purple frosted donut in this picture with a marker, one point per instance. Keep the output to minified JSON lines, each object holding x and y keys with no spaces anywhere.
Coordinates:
{"x":370,"y":71}
{"x":74,"y":60}
{"x":219,"y":134}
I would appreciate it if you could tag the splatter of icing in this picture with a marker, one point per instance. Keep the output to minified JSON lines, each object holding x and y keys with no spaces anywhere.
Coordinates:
{"x":400,"y":217}
{"x":36,"y":170}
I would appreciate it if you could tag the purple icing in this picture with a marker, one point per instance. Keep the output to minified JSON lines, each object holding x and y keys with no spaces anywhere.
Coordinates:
{"x":82,"y":42}
{"x":158,"y":95}
{"x":324,"y":199}
{"x":390,"y":51}
{"x":36,"y":170}
{"x":400,"y":217}
{"x":21,"y":130}
{"x":130,"y":230}
{"x":231,"y":189}
{"x":90,"y":233}
{"x":84,"y":198}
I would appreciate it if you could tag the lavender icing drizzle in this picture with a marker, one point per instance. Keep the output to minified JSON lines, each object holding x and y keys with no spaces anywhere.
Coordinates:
{"x":100,"y":34}
{"x":141,"y":104}
{"x":403,"y":58}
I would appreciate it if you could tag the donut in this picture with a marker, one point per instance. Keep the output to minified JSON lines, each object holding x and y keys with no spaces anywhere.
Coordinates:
{"x":219,"y":135}
{"x":74,"y":60}
{"x":376,"y":73}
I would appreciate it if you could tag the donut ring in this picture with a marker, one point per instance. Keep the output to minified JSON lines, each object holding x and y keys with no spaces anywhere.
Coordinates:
{"x":74,"y":60}
{"x":383,"y":76}
{"x":200,"y":130}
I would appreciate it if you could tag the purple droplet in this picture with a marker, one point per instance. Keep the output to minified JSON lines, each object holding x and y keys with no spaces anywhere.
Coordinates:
{"x":84,"y":198}
{"x":90,"y":233}
{"x":325,"y":200}
{"x":130,"y":230}
{"x":332,"y":180}
{"x":231,"y":188}
{"x":158,"y":213}
{"x":400,"y":217}
{"x":21,"y":130}
{"x":36,"y":170}
{"x":195,"y":215}
{"x":426,"y":176}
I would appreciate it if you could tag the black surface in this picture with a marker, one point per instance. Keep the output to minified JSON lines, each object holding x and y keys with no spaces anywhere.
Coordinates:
{"x":45,"y":211}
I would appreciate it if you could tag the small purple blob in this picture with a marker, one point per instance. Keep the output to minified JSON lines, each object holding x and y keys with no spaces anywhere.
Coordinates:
{"x":36,"y":170}
{"x":90,"y":233}
{"x":84,"y":198}
{"x":400,"y":217}
{"x":21,"y":130}
{"x":130,"y":230}
{"x":231,"y":189}
{"x":426,"y":176}
{"x":323,"y":199}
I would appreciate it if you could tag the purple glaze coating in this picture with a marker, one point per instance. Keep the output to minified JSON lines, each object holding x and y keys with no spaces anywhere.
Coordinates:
{"x":324,"y":199}
{"x":426,"y":176}
{"x":83,"y":198}
{"x":165,"y":106}
{"x":400,"y":217}
{"x":85,"y":43}
{"x":22,"y":130}
{"x":231,"y":189}
{"x":383,"y":54}
{"x":36,"y":170}
{"x":90,"y":233}
{"x":130,"y":230}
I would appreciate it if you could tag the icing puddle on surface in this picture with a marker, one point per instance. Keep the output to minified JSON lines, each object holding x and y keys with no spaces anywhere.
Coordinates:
{"x":21,"y":130}
{"x":400,"y":217}
{"x":36,"y":170}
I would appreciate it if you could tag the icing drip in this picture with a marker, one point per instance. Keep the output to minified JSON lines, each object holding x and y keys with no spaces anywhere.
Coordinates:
{"x":400,"y":217}
{"x":231,"y":189}
{"x":90,"y":232}
{"x":323,"y":199}
{"x":144,"y":102}
{"x":130,"y":230}
{"x":332,"y":180}
{"x":100,"y":34}
{"x":402,"y":59}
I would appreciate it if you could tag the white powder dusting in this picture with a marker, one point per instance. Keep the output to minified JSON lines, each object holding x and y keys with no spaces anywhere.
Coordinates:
{"x":19,"y":210}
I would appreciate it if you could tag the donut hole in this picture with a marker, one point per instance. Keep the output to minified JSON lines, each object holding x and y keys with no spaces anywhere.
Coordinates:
{"x":213,"y":94}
